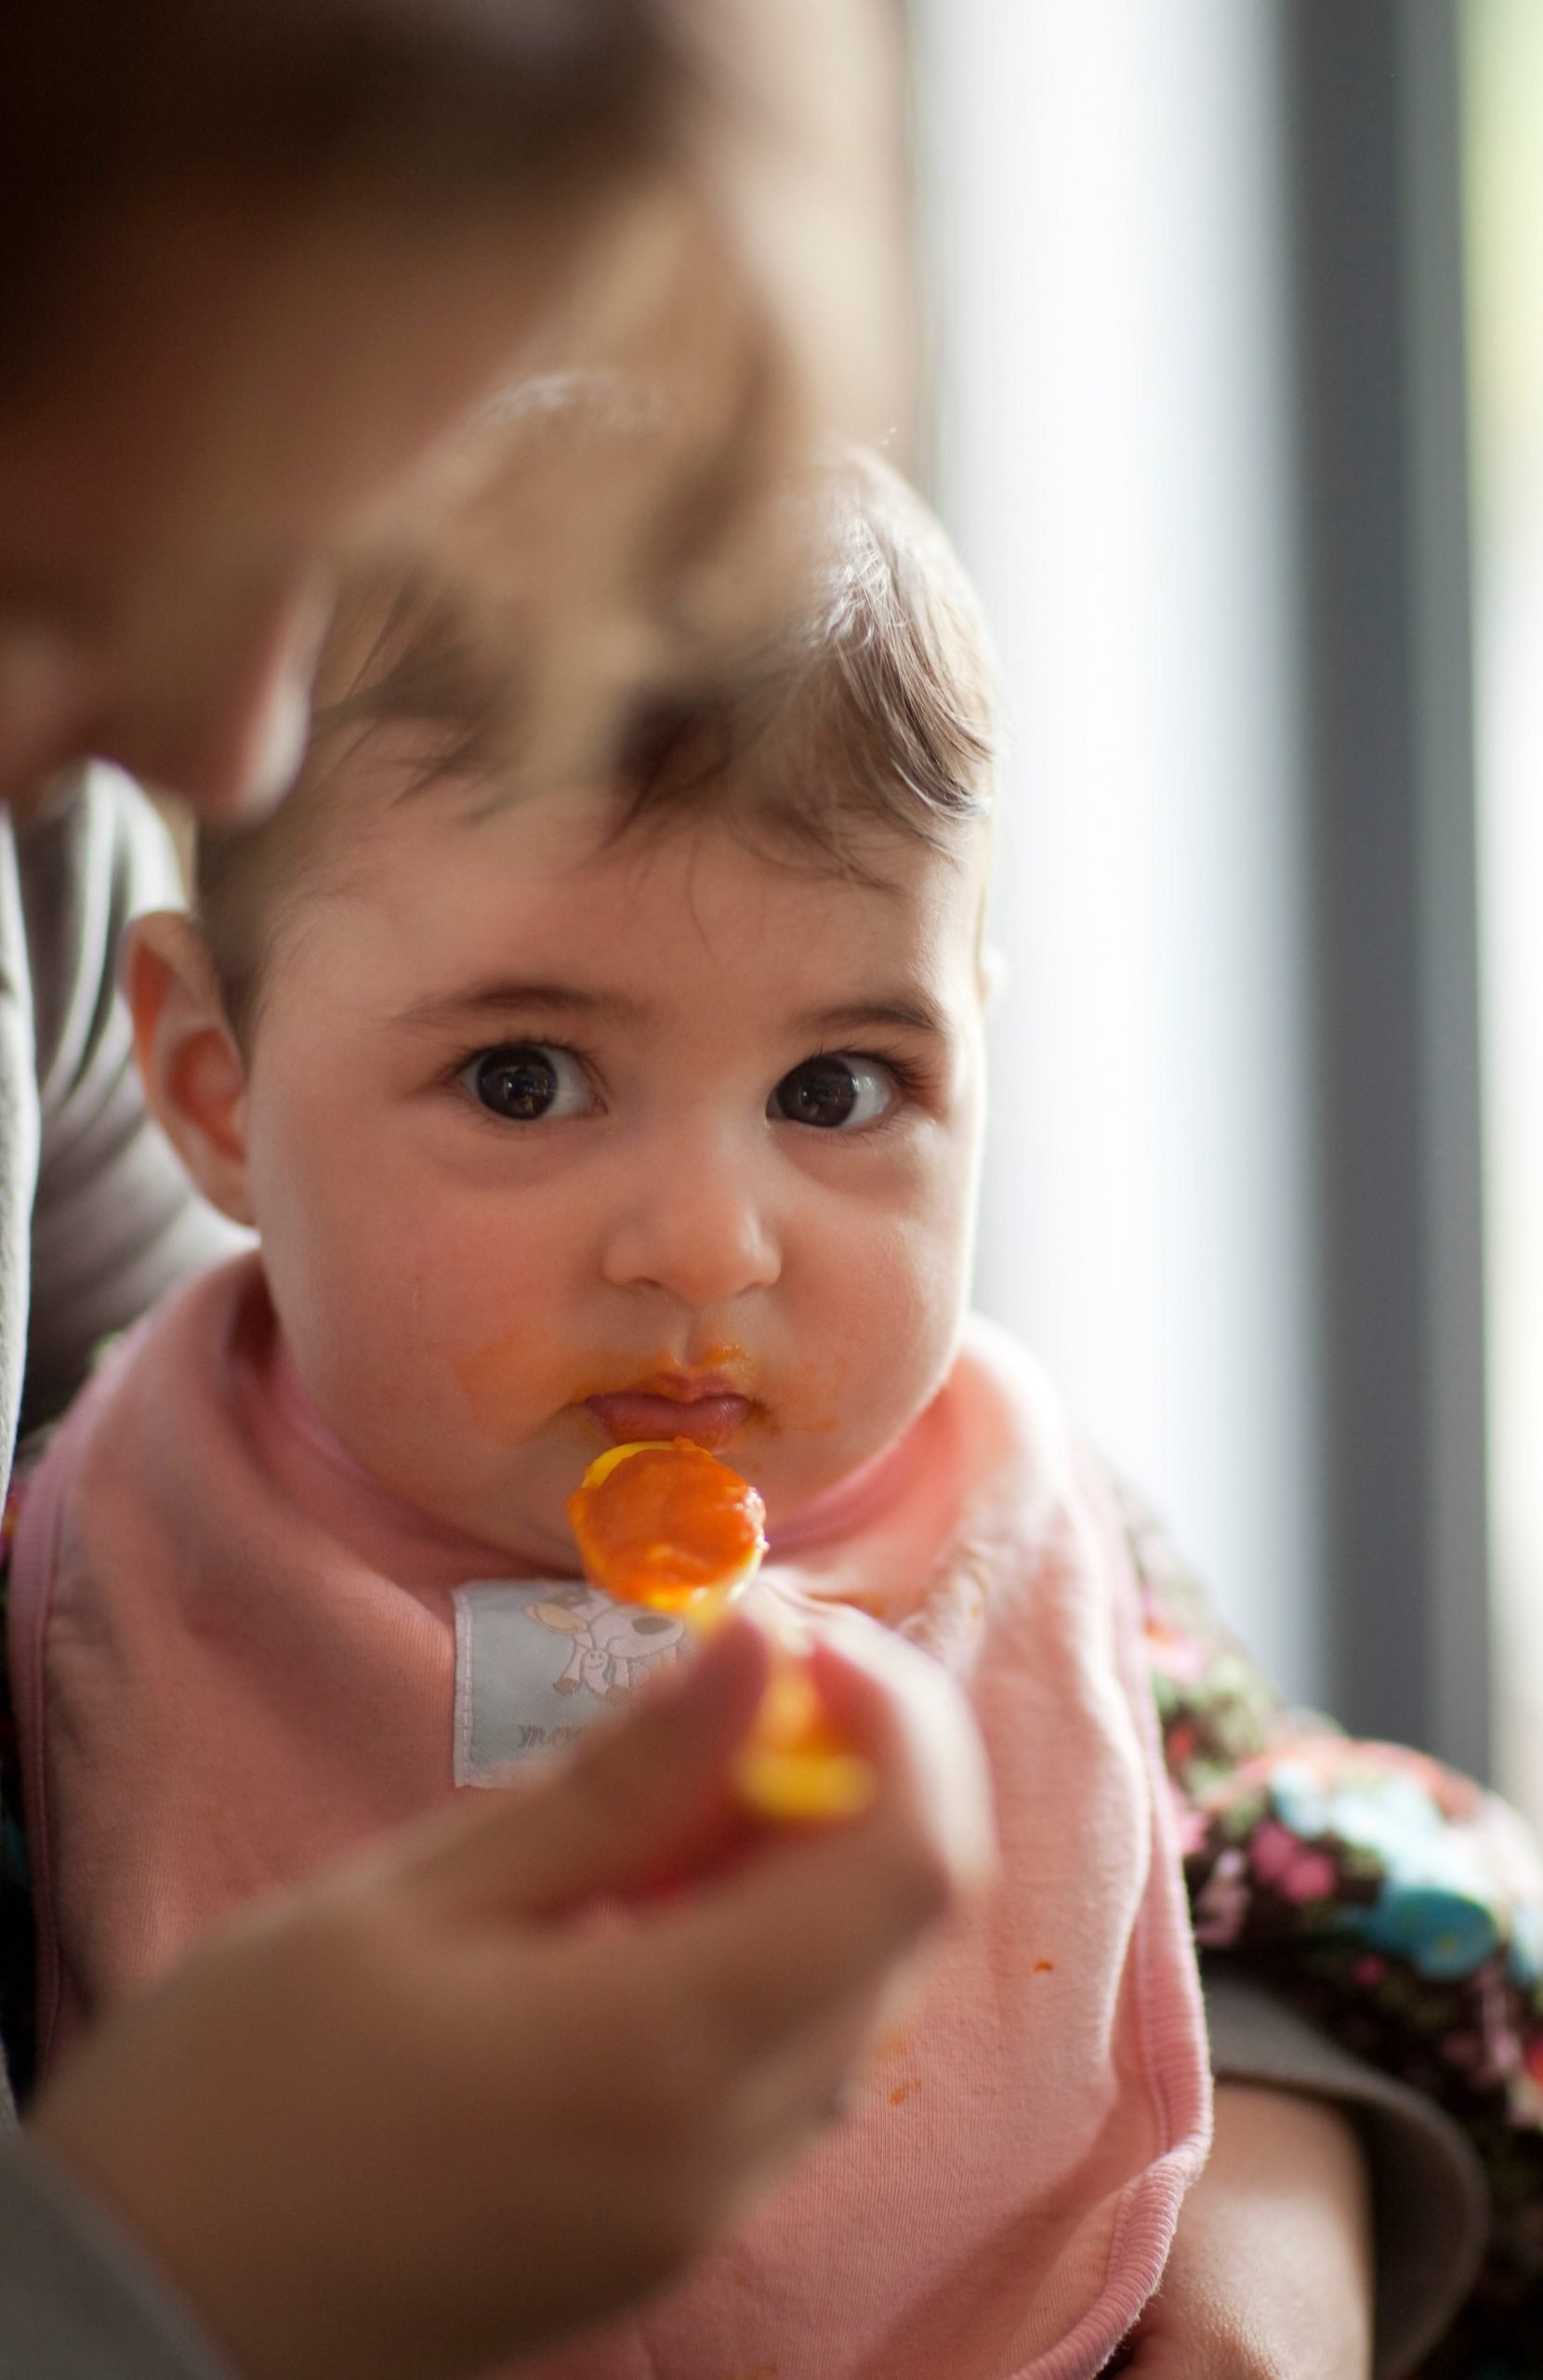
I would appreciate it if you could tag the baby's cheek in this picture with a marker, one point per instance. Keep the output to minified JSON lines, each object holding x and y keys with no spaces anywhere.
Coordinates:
{"x":374,"y":1319}
{"x":494,"y":1304}
{"x":891,"y":1307}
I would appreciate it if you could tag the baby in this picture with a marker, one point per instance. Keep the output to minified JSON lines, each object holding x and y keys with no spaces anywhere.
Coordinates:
{"x":651,"y":1108}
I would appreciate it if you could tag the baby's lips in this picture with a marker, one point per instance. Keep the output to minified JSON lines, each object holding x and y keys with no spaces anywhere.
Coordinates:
{"x":630,"y":1414}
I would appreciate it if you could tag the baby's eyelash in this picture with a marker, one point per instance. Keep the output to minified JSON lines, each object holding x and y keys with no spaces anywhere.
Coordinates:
{"x":912,"y":1078}
{"x":457,"y":1066}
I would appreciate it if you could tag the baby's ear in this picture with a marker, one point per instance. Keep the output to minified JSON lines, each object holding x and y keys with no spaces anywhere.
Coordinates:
{"x":189,"y":1061}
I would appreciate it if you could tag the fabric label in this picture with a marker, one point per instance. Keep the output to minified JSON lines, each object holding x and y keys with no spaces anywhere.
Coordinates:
{"x":536,"y":1660}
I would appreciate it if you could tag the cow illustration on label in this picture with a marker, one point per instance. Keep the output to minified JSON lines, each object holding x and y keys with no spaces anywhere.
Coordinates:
{"x":613,"y":1646}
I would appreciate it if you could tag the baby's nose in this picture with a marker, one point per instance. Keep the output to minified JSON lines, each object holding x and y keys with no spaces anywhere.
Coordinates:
{"x":695,"y":1225}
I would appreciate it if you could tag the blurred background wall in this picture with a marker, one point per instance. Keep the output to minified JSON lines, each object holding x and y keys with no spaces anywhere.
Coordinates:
{"x":1208,"y":408}
{"x":1105,"y":248}
{"x":1502,"y":127}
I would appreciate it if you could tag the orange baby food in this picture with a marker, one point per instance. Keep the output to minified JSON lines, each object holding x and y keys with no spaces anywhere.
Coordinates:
{"x":665,"y":1523}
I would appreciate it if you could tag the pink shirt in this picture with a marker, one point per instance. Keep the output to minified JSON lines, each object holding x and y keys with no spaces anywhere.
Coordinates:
{"x":235,"y":1655}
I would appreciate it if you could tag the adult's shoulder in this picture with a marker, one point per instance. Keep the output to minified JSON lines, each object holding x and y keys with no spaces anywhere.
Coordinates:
{"x":92,"y":857}
{"x":115,"y":1222}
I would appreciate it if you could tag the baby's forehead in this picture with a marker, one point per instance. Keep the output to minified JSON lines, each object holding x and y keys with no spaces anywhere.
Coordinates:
{"x":721,"y":856}
{"x":568,"y":884}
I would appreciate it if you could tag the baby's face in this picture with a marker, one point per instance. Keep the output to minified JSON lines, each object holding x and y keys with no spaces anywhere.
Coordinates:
{"x":554,"y":1143}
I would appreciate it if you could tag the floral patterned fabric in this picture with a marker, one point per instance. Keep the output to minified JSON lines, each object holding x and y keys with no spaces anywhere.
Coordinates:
{"x":1395,"y":1903}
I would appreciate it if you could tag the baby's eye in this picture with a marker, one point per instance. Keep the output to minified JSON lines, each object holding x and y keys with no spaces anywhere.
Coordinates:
{"x":527,"y":1082}
{"x":837,"y":1094}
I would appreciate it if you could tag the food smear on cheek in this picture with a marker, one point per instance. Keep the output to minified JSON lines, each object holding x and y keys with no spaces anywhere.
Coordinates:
{"x":494,"y":1381}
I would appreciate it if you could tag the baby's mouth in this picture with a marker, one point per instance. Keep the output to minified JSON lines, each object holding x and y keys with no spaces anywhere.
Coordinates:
{"x":708,"y":1411}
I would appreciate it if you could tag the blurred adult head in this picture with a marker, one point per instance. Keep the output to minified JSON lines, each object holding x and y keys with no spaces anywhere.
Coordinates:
{"x":260,"y":258}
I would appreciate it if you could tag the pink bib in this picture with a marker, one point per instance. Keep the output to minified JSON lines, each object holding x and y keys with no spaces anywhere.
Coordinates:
{"x":235,"y":1655}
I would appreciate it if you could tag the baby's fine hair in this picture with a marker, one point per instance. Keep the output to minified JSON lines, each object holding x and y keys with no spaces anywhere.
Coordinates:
{"x":870,"y":712}
{"x":874,"y":706}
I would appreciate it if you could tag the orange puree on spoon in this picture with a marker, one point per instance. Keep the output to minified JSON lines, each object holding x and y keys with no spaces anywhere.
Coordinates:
{"x":663,"y":1522}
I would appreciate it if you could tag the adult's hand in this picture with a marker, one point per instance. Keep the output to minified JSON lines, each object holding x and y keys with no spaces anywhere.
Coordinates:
{"x":1270,"y":2274}
{"x":434,"y":2110}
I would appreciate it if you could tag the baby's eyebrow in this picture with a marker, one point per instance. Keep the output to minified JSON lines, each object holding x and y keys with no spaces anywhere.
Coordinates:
{"x":504,"y":994}
{"x":913,"y":1012}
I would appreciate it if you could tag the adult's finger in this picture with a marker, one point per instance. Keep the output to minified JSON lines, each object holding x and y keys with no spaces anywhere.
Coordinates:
{"x":898,"y":1708}
{"x":819,"y":1919}
{"x":639,"y":1798}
